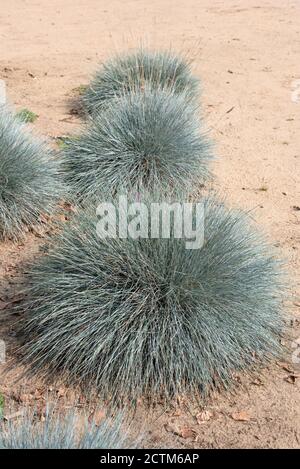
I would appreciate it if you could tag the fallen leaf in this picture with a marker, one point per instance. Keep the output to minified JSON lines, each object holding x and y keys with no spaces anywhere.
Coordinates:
{"x":204,"y":416}
{"x":242,"y":416}
{"x":292,"y":378}
{"x":285,"y":367}
{"x":184,"y":432}
{"x":38,"y":395}
{"x":24,"y":398}
{"x":187,"y":432}
{"x":257,"y":382}
{"x":171,"y":428}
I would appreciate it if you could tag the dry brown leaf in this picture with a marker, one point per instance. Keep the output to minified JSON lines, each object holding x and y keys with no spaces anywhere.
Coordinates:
{"x":171,"y":428}
{"x":187,"y":432}
{"x":242,"y":416}
{"x":292,"y":378}
{"x":25,"y":398}
{"x":38,"y":394}
{"x":204,"y":416}
{"x":286,"y":367}
{"x":257,"y":382}
{"x":184,"y":431}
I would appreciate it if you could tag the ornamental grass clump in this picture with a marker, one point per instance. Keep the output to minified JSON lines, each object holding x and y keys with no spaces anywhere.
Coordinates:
{"x":122,"y":74}
{"x":150,"y":139}
{"x":58,"y":431}
{"x":30,"y":177}
{"x":150,"y":318}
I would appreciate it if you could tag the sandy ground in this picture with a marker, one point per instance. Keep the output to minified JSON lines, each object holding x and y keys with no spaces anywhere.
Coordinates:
{"x":247,"y":55}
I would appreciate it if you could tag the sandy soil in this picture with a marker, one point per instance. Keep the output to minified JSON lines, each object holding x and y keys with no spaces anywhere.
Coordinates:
{"x":247,"y":55}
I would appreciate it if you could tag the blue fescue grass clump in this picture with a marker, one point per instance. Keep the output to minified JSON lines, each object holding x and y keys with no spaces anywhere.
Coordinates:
{"x":148,"y":317}
{"x":30,"y":177}
{"x":144,"y":139}
{"x":58,"y":431}
{"x":157,"y":70}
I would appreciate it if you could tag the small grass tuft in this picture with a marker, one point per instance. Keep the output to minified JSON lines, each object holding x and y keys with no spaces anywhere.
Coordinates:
{"x":27,"y":116}
{"x":80,"y":90}
{"x":63,"y":141}
{"x":264,"y":186}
